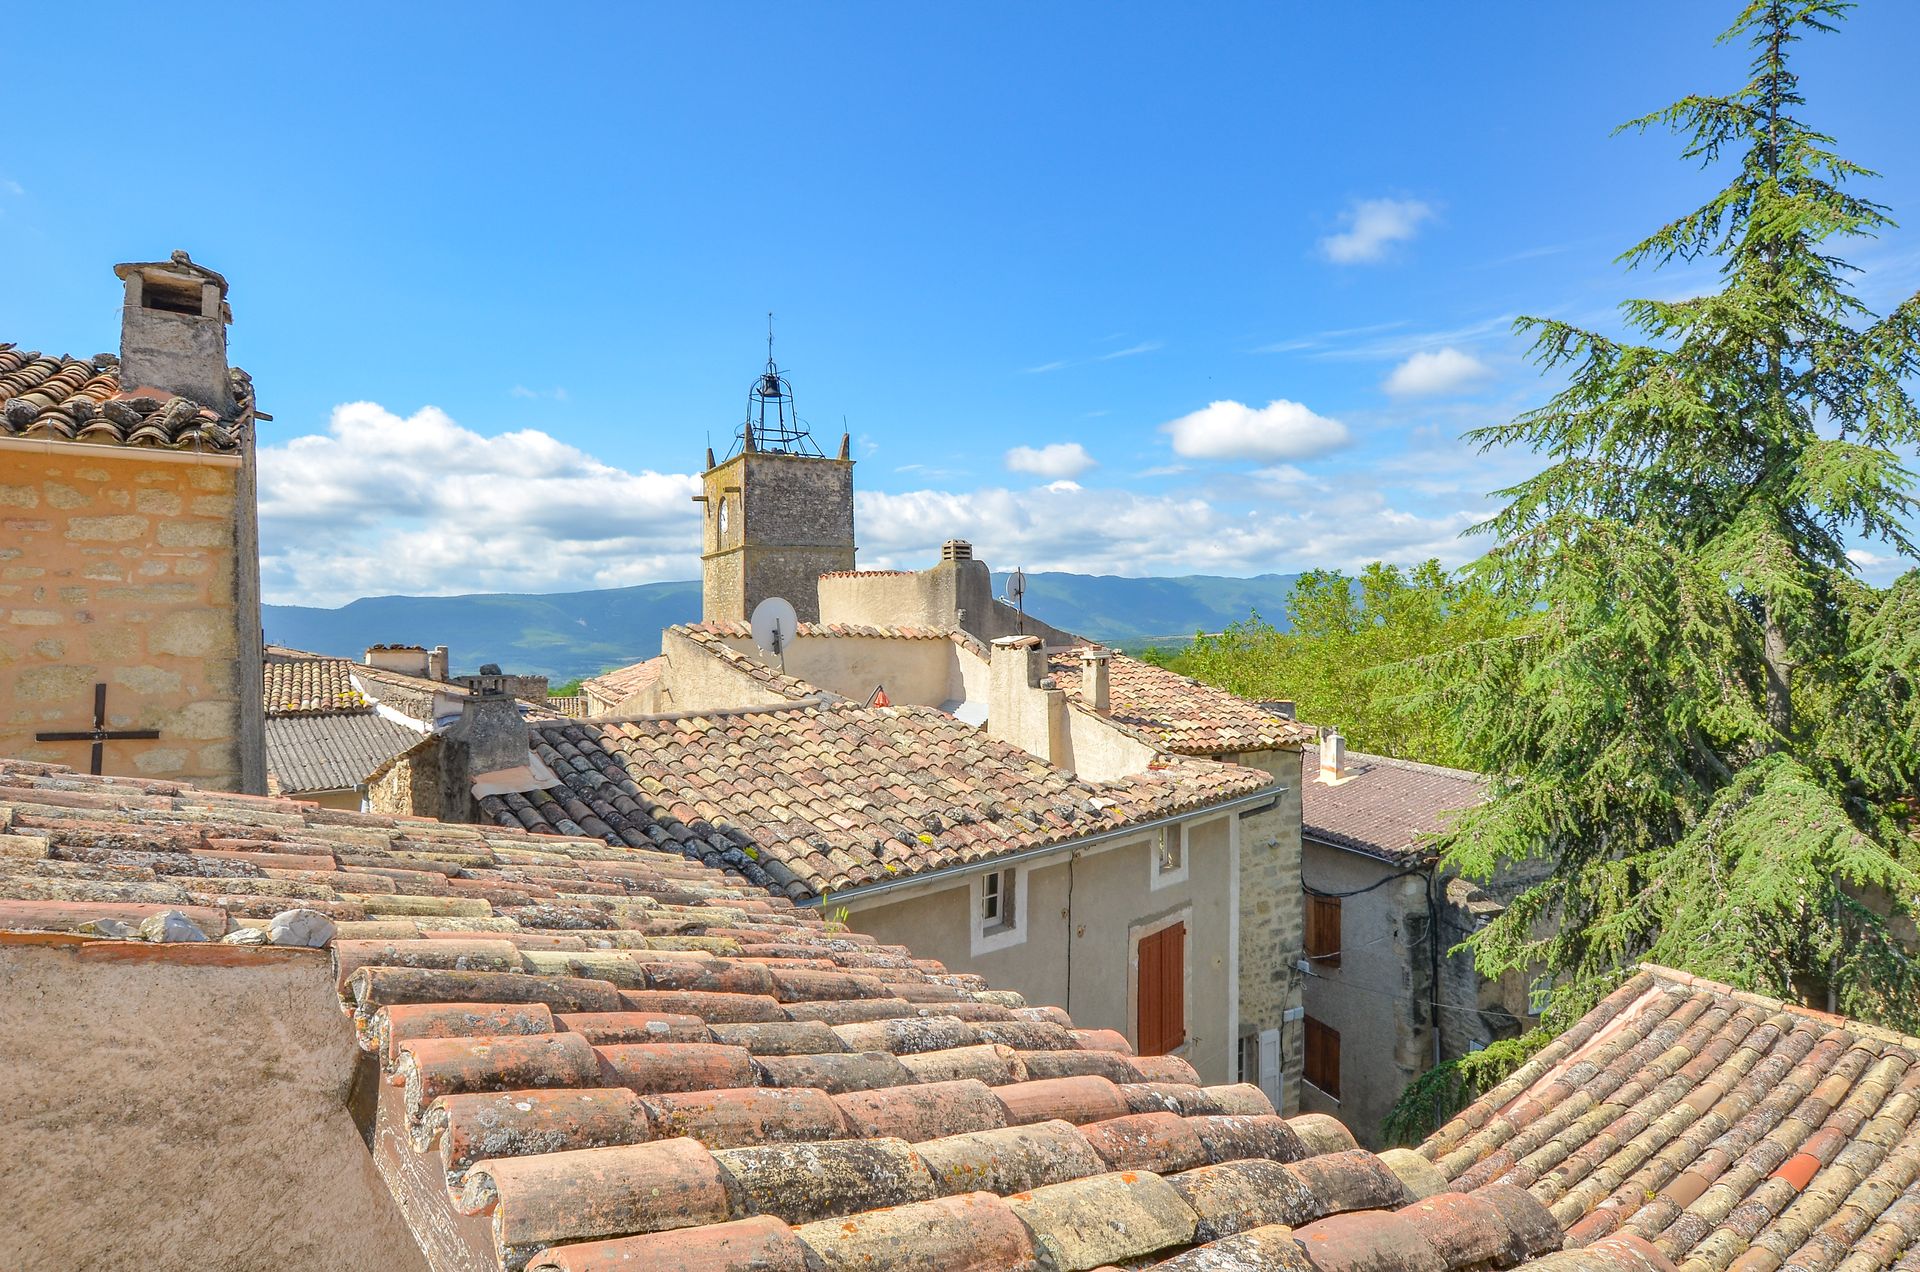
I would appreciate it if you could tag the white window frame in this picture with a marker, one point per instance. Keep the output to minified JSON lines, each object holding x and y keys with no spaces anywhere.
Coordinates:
{"x":996,"y":936}
{"x":1159,"y":875}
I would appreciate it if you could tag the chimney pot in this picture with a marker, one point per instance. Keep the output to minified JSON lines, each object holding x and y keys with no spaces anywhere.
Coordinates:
{"x":956,"y":550}
{"x":1333,"y":756}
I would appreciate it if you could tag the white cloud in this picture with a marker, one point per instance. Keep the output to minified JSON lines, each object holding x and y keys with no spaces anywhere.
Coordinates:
{"x":1440,"y":371}
{"x":1373,"y":226}
{"x":522,"y":391}
{"x":1133,"y":351}
{"x":1107,"y":531}
{"x":382,"y":503}
{"x":1055,"y":459}
{"x":1234,"y":430}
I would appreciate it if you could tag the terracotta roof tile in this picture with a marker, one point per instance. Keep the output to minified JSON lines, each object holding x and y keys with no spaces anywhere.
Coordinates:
{"x":624,"y":682}
{"x":1178,"y":713}
{"x":63,"y":398}
{"x":1683,"y":1123}
{"x":839,"y":796}
{"x":572,"y":1121}
{"x":299,"y":683}
{"x":1387,"y":808}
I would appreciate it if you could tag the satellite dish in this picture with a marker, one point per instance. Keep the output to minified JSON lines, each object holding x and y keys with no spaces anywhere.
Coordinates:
{"x":774,"y":627}
{"x":1016,"y":586}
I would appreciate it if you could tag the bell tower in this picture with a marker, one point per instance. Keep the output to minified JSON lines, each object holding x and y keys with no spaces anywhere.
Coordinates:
{"x":779,"y":513}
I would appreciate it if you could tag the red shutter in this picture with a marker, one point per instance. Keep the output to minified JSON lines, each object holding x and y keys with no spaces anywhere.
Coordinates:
{"x":1160,"y":1006}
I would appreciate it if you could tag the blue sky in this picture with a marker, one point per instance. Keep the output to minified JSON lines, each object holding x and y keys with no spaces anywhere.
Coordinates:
{"x":499,"y":272}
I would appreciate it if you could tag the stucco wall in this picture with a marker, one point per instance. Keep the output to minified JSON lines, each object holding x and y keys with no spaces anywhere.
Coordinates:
{"x":1271,"y":985}
{"x":1098,"y":751}
{"x":1081,"y":923}
{"x":694,"y":680}
{"x":136,"y":569}
{"x":169,"y":1116}
{"x":920,"y":672}
{"x":949,"y":594}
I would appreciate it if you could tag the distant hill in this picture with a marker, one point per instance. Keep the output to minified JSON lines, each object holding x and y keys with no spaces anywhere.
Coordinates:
{"x":568,"y":634}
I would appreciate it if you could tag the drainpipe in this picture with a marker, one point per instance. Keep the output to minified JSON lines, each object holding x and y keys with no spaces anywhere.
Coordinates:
{"x":1433,"y":956}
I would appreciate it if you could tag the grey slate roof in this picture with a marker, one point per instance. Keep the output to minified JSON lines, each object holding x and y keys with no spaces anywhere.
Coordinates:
{"x":330,"y":752}
{"x":1387,"y":808}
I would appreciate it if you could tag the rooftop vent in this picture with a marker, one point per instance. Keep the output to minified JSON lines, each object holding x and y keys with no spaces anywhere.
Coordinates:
{"x":956,"y":550}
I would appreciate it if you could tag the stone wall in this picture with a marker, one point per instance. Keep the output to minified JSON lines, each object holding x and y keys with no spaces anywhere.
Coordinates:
{"x":409,"y":785}
{"x":949,"y":594}
{"x":136,"y":569}
{"x":1270,"y":918}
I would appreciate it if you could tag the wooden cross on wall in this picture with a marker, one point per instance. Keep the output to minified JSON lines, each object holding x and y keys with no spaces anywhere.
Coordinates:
{"x":99,"y":734}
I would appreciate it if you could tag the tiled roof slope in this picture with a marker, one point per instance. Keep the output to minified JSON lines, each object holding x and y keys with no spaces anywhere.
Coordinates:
{"x":1387,"y":808}
{"x":1179,"y":713}
{"x":299,"y":683}
{"x":819,"y":798}
{"x":624,"y":682}
{"x":827,"y":631}
{"x":1712,"y":1131}
{"x":331,"y":752}
{"x":62,"y":398}
{"x":605,"y":1058}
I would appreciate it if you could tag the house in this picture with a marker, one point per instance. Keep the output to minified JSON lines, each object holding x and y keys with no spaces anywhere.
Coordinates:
{"x":542,"y":1052}
{"x":1080,"y":708}
{"x":1115,"y":897}
{"x":325,"y":731}
{"x":1385,"y":998}
{"x":129,"y":566}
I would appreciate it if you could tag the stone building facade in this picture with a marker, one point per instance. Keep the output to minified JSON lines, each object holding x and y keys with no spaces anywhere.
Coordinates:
{"x":129,"y":564}
{"x":1386,"y":996}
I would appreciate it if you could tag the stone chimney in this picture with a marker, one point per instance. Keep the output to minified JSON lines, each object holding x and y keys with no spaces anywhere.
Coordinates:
{"x":437,"y":663}
{"x":490,"y":736}
{"x":173,"y":331}
{"x":1094,"y":691}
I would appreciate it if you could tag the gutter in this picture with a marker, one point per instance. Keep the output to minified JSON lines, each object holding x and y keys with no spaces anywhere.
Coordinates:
{"x":1266,"y":797}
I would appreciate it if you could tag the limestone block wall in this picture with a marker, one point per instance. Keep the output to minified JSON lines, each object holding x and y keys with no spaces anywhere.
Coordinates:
{"x":1271,"y":919}
{"x":409,"y":785}
{"x":135,"y":569}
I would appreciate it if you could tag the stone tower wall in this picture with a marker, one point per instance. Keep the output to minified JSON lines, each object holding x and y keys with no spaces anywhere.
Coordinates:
{"x":789,"y":520}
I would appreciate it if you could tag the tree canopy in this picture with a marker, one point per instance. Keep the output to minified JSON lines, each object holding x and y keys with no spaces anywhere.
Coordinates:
{"x":1348,"y":639}
{"x":1709,"y":727}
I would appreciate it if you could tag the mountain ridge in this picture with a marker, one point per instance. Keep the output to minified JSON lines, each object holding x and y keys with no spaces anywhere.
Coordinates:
{"x":568,"y":634}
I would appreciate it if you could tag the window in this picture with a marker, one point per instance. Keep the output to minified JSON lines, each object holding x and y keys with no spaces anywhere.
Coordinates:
{"x":1323,"y":1057}
{"x":1169,"y":854}
{"x":997,"y":902}
{"x":1161,"y":995}
{"x":1323,"y":930}
{"x":999,"y":909}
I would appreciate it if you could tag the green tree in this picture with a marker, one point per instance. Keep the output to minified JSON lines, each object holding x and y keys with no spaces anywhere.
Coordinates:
{"x":1710,"y":727}
{"x":1349,"y":638}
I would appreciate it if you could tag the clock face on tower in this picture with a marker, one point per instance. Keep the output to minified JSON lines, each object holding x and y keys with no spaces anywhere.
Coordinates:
{"x":723,"y":518}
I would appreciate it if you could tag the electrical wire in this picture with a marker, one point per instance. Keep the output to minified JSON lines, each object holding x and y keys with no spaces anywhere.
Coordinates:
{"x":1397,"y":997}
{"x":1312,"y":891}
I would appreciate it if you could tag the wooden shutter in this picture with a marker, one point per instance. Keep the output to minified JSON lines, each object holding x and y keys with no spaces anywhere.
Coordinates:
{"x":1323,"y":930}
{"x":1161,"y":1007}
{"x":1323,"y":1057}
